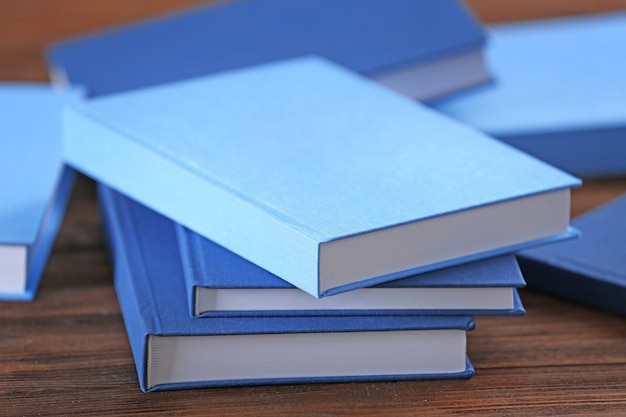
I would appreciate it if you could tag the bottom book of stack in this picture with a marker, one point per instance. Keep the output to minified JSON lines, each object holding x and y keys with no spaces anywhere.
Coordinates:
{"x":174,"y":350}
{"x":158,"y":265}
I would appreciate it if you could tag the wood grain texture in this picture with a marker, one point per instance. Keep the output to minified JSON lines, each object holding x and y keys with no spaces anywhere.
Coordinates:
{"x":67,"y":353}
{"x":491,"y":11}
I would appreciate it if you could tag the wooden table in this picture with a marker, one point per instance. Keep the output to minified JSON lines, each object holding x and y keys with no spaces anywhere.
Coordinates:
{"x":67,"y":353}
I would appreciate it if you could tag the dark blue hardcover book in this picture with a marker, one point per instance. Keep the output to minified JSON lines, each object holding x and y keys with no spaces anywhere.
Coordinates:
{"x":35,"y":185}
{"x":590,"y":270}
{"x":318,"y":175}
{"x":173,"y":350}
{"x":405,"y":44}
{"x":558,"y":92}
{"x":221,"y":283}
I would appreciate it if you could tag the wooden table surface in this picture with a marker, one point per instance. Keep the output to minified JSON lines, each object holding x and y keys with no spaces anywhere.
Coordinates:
{"x":67,"y":353}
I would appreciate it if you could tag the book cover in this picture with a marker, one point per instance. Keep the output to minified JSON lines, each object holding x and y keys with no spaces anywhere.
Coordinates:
{"x":318,"y":175}
{"x":558,"y":92}
{"x":35,"y":186}
{"x":404,"y":44}
{"x":221,"y":283}
{"x":173,"y":350}
{"x":590,"y":270}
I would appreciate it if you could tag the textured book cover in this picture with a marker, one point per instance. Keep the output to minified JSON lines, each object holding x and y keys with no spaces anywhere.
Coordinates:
{"x":318,"y":175}
{"x":35,"y":186}
{"x":558,"y":92}
{"x":404,"y":44}
{"x":590,"y":270}
{"x":173,"y":350}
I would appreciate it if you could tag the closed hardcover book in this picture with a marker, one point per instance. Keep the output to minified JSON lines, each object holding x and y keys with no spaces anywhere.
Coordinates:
{"x":221,"y":283}
{"x":558,"y":92}
{"x":406,"y":45}
{"x":35,"y":186}
{"x":590,"y":270}
{"x":318,"y":175}
{"x":173,"y":350}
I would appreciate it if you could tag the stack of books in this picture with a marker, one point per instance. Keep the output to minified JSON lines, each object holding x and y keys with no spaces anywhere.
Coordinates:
{"x":302,"y":172}
{"x":273,"y":215}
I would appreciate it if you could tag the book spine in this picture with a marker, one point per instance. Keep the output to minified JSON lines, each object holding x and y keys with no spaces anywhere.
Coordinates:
{"x":192,"y":266}
{"x":50,"y":225}
{"x":206,"y":208}
{"x":119,"y":247}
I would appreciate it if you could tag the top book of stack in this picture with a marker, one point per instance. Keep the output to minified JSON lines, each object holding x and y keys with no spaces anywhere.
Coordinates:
{"x":318,"y":175}
{"x":406,"y":45}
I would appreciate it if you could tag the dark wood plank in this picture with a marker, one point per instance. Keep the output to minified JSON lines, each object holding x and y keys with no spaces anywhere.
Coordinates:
{"x":503,"y":11}
{"x":66,"y":353}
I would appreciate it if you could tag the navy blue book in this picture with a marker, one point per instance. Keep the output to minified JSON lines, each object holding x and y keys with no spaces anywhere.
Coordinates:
{"x":173,"y":350}
{"x":590,"y":270}
{"x":35,"y":185}
{"x":318,"y":175}
{"x":406,"y":45}
{"x":221,"y":283}
{"x":558,"y":92}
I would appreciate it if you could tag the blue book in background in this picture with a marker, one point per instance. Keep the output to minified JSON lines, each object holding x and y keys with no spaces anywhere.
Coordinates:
{"x":590,"y":270}
{"x":221,"y":283}
{"x":318,"y":175}
{"x":558,"y":93}
{"x":173,"y":350}
{"x":35,"y":186}
{"x":404,"y":44}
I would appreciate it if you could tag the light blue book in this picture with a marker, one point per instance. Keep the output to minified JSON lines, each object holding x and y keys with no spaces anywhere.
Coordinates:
{"x":318,"y":175}
{"x":34,"y":184}
{"x":406,"y":45}
{"x":558,"y":93}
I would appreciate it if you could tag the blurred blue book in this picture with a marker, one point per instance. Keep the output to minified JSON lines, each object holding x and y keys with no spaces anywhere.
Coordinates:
{"x":558,"y":93}
{"x":590,"y":270}
{"x":318,"y":175}
{"x":172,"y":350}
{"x":407,"y":45}
{"x":35,"y":185}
